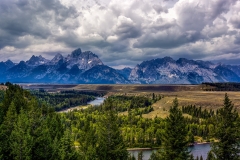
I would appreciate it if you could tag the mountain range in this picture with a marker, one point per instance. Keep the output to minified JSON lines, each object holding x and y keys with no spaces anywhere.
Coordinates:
{"x":86,"y":67}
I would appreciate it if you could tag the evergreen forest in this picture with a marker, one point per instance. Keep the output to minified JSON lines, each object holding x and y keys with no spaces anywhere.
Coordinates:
{"x":30,"y":127}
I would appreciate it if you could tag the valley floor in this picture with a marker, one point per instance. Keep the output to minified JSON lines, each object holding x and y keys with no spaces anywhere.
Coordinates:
{"x":186,"y":94}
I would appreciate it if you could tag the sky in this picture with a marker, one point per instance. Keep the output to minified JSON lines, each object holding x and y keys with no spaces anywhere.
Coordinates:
{"x":121,"y":32}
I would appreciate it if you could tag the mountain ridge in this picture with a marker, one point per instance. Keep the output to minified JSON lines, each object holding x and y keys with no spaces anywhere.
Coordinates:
{"x":86,"y":67}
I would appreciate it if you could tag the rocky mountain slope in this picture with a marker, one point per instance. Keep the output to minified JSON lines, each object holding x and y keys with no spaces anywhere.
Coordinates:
{"x":86,"y":67}
{"x":183,"y":71}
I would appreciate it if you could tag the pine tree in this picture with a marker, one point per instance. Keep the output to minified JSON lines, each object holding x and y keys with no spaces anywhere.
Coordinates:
{"x":210,"y":156}
{"x":6,"y":130}
{"x":174,"y":140}
{"x":110,"y":143}
{"x":43,"y":143}
{"x":153,"y":97}
{"x":227,"y":132}
{"x":191,"y":157}
{"x":140,"y":155}
{"x":21,"y":141}
{"x":88,"y":142}
{"x":190,"y":137}
{"x":67,"y":150}
{"x":154,"y":156}
{"x":131,"y":157}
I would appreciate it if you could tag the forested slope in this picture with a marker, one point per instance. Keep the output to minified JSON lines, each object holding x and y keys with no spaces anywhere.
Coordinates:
{"x":31,"y":129}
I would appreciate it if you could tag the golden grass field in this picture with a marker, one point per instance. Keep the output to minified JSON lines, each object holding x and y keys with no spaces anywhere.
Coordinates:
{"x":208,"y":100}
{"x":186,"y":94}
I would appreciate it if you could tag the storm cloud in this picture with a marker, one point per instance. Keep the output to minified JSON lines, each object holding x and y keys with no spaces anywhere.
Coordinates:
{"x":121,"y":32}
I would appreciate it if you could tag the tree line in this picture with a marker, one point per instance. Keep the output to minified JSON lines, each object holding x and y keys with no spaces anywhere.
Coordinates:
{"x":65,"y":99}
{"x":221,"y":86}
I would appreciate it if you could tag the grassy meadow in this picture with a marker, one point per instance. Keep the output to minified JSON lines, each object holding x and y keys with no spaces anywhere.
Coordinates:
{"x":186,"y":94}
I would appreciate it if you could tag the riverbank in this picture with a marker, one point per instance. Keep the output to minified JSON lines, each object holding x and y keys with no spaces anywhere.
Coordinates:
{"x":197,"y":150}
{"x":96,"y":102}
{"x":139,"y":149}
{"x":199,"y":143}
{"x":145,"y":149}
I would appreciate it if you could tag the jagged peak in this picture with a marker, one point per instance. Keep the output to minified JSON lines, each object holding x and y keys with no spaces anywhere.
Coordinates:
{"x":21,"y":62}
{"x":58,"y":56}
{"x":157,"y":61}
{"x":168,"y":58}
{"x":76,"y":53}
{"x":90,"y":53}
{"x":126,"y":68}
{"x":40,"y":57}
{"x":36,"y":60}
{"x":33,"y":56}
{"x":184,"y":60}
{"x":8,"y":61}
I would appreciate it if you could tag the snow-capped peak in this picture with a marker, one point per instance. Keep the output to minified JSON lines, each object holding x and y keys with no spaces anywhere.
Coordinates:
{"x":36,"y":60}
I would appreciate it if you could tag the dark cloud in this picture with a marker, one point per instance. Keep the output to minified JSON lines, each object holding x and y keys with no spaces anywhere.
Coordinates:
{"x":227,"y":61}
{"x":73,"y":40}
{"x":127,"y":29}
{"x":159,"y":8}
{"x":198,"y":14}
{"x":120,"y":46}
{"x":169,"y":38}
{"x":220,"y":28}
{"x":31,"y":18}
{"x":235,"y":21}
{"x":121,"y":31}
{"x":237,"y":39}
{"x":192,"y":18}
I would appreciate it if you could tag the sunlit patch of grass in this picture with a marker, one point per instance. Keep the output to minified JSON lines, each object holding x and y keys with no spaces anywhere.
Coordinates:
{"x":76,"y":144}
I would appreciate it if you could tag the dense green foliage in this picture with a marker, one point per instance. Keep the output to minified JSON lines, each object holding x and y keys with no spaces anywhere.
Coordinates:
{"x":65,"y":99}
{"x":227,"y":133}
{"x":137,"y":104}
{"x":174,"y":137}
{"x":197,"y":112}
{"x":31,"y":129}
{"x":1,"y":95}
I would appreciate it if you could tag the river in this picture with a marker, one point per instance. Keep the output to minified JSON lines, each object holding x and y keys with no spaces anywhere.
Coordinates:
{"x":196,"y":150}
{"x":96,"y":102}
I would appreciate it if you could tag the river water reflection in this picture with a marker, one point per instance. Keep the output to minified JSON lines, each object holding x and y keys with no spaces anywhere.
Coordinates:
{"x":200,"y":149}
{"x":97,"y":101}
{"x":196,"y":150}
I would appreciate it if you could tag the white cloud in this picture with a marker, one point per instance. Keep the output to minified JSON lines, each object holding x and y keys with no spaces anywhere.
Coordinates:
{"x":120,"y":29}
